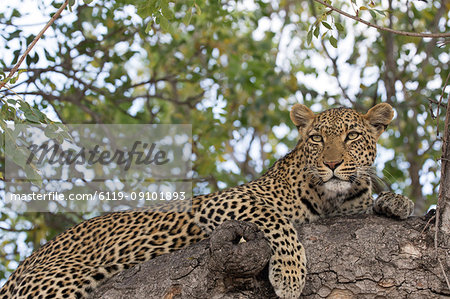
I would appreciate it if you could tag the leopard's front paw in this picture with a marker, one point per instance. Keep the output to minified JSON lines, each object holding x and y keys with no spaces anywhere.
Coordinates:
{"x":287,"y":276}
{"x":393,"y":205}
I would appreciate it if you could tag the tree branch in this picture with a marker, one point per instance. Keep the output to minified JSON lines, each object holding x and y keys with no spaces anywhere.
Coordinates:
{"x":406,"y":33}
{"x":14,"y":230}
{"x":16,"y":67}
{"x":360,"y":256}
{"x":337,"y":74}
{"x":440,"y":102}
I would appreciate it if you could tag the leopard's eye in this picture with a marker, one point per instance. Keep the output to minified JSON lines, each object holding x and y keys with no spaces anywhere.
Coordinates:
{"x":316,"y":138}
{"x":352,"y":135}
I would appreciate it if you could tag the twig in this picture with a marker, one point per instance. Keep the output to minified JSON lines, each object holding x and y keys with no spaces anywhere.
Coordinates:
{"x":30,"y":47}
{"x":443,"y":272}
{"x":440,"y":102}
{"x":432,"y":101}
{"x":441,"y":195}
{"x":14,"y":230}
{"x":406,"y":33}
{"x":428,"y":223}
{"x":336,"y":73}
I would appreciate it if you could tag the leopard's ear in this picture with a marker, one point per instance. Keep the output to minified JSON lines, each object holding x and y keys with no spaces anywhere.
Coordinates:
{"x":302,"y":117}
{"x":379,"y":117}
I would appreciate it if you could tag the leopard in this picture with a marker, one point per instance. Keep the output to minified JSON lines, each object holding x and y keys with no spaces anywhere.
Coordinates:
{"x":328,"y":173}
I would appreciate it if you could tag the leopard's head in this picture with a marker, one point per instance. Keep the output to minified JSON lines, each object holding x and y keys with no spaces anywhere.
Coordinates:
{"x":338,"y":146}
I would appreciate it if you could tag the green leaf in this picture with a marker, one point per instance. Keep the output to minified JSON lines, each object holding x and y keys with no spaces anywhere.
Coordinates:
{"x":333,"y":41}
{"x":14,"y":79}
{"x":65,"y":134}
{"x":16,"y":13}
{"x":309,"y":36}
{"x":164,"y":23}
{"x":7,"y":112}
{"x":20,"y":156}
{"x":373,"y":14}
{"x":33,"y":175}
{"x":48,"y":56}
{"x":149,"y":26}
{"x":16,"y":76}
{"x":187,"y":17}
{"x":317,"y":31}
{"x":166,"y":11}
{"x":87,"y":1}
{"x":12,"y":113}
{"x":3,"y":124}
{"x":30,"y":116}
{"x":71,"y":3}
{"x":199,"y":11}
{"x":326,"y":25}
{"x":50,"y":130}
{"x":2,"y":141}
{"x":339,"y":26}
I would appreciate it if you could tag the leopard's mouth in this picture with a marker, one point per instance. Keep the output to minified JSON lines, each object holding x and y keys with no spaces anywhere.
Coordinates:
{"x":337,"y":185}
{"x":335,"y":179}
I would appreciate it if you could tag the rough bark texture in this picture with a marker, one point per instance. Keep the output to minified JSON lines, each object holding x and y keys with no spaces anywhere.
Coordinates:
{"x":444,"y":192}
{"x":364,"y":256}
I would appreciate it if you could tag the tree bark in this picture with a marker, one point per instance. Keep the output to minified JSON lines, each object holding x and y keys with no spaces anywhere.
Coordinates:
{"x":364,"y":256}
{"x":444,"y":191}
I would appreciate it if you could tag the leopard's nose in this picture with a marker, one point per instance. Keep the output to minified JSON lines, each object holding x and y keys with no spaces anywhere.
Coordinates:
{"x":333,"y":164}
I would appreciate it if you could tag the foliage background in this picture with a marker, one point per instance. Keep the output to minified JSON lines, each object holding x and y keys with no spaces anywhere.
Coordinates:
{"x":233,"y":69}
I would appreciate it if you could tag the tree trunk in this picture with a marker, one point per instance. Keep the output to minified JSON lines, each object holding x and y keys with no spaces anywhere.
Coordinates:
{"x":364,"y":256}
{"x":444,"y":192}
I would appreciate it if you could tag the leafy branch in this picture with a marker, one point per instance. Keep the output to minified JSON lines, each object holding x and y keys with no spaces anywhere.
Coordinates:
{"x":406,"y":33}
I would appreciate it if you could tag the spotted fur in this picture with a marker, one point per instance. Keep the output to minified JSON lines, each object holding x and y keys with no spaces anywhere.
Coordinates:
{"x":326,"y":174}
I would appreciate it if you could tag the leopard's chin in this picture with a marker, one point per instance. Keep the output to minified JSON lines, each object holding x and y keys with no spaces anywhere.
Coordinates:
{"x":337,"y":186}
